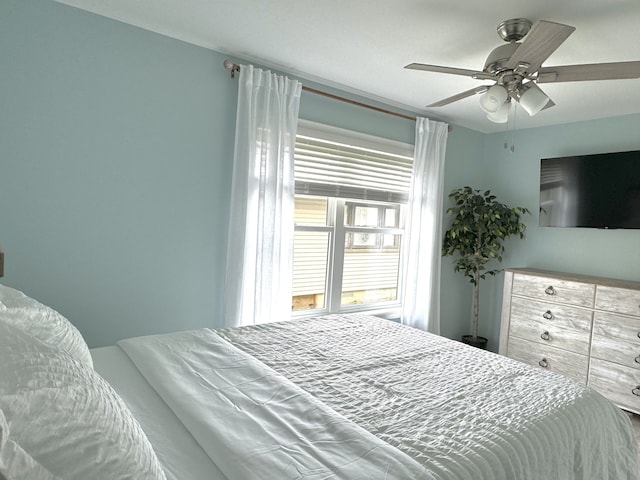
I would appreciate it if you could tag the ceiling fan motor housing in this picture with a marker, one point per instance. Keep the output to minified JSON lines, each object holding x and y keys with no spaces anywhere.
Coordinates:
{"x":498,"y":57}
{"x":510,"y":31}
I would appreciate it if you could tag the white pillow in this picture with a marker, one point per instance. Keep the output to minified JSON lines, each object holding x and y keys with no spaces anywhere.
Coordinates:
{"x":66,"y":418}
{"x":15,"y":463}
{"x":42,"y":322}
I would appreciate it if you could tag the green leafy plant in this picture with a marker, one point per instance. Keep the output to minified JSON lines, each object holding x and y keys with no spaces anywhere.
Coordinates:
{"x":480,"y":226}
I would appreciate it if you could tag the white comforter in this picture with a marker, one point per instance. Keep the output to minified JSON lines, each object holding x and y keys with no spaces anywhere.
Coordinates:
{"x":366,"y":398}
{"x":252,"y":422}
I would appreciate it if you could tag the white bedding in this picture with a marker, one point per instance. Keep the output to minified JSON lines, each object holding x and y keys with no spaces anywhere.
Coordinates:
{"x":180,"y":455}
{"x":60,"y":420}
{"x":462,"y":412}
{"x":254,"y":423}
{"x":427,"y":406}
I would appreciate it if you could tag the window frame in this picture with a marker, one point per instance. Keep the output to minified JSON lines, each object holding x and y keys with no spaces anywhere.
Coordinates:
{"x":379,"y":229}
{"x":337,"y":230}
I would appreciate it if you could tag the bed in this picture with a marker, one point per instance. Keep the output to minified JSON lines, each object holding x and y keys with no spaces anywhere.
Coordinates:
{"x":329,"y":397}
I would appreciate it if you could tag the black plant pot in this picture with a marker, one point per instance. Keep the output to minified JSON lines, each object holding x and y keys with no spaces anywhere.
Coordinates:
{"x":479,"y":342}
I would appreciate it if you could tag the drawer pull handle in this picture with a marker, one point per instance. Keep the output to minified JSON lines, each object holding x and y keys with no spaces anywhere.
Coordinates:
{"x":636,"y":391}
{"x":550,"y":290}
{"x":548,"y":315}
{"x":545,"y":336}
{"x":637,"y":359}
{"x":638,"y":334}
{"x":544,"y":364}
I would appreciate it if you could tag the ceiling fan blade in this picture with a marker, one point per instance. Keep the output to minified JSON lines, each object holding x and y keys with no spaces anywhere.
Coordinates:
{"x":549,"y":104}
{"x":460,"y":96}
{"x":451,"y":70}
{"x":594,"y":71}
{"x":543,"y":39}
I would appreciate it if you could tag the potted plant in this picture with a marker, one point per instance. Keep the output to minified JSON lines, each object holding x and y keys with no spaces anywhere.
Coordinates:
{"x":480,"y":226}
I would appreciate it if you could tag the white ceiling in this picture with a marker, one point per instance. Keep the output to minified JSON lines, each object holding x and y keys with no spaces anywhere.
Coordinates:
{"x":361,"y":46}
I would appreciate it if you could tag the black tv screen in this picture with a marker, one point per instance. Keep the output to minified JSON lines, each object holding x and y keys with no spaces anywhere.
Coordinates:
{"x":593,"y":191}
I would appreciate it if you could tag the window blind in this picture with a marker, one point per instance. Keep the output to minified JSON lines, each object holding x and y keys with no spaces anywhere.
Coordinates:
{"x":337,"y":163}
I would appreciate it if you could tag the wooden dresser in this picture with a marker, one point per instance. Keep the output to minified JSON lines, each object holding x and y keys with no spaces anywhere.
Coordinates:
{"x":585,"y":327}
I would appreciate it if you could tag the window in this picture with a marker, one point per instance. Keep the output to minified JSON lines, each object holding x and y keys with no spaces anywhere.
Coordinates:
{"x":372,"y":217}
{"x":351,"y":192}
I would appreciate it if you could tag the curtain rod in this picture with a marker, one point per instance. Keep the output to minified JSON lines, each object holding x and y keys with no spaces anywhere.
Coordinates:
{"x":234,"y":67}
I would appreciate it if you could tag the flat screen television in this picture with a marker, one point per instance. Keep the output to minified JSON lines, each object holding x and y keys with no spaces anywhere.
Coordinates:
{"x":592,"y":191}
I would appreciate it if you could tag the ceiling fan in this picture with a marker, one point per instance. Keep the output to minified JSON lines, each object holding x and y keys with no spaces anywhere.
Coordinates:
{"x":516,"y":68}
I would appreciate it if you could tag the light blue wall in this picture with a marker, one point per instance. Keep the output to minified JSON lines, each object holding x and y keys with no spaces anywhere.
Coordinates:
{"x":115,"y":164}
{"x":463,"y":164}
{"x":514,"y":178}
{"x":318,"y":108}
{"x":114,"y":171}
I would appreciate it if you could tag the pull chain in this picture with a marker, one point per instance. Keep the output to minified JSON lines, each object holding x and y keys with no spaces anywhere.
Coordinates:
{"x":506,"y":136}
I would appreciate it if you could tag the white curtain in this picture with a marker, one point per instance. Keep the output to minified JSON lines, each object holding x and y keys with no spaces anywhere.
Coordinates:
{"x":423,"y":238}
{"x":260,"y":242}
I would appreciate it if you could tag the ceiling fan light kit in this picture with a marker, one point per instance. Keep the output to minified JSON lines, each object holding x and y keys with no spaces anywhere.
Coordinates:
{"x":502,"y":115}
{"x":531,"y":98}
{"x":493,"y":99}
{"x":516,"y":68}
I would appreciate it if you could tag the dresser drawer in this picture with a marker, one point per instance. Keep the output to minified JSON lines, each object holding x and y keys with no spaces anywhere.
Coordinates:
{"x":619,"y":300}
{"x":619,"y":384}
{"x":550,"y":358}
{"x":561,"y":326}
{"x":616,"y":339}
{"x":616,"y":327}
{"x":554,"y":289}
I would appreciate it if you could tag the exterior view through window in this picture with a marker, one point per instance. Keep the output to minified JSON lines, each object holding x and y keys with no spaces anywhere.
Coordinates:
{"x":351,"y":192}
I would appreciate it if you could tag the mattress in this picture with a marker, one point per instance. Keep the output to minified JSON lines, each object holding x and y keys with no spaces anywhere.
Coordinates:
{"x":359,"y":397}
